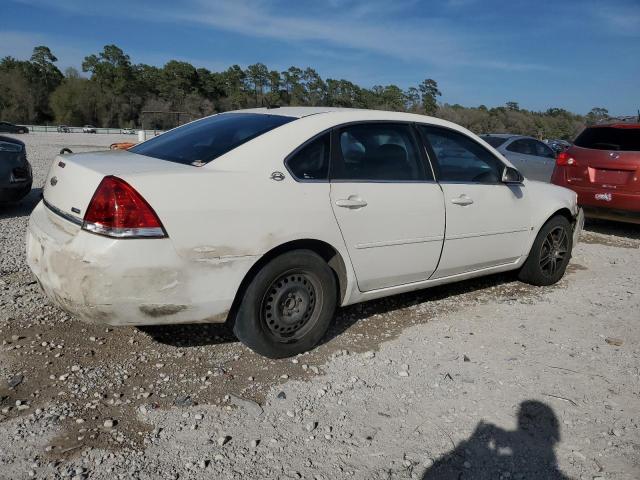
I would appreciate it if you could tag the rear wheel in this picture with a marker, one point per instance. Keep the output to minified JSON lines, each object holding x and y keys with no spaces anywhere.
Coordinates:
{"x":288,"y":305}
{"x":550,"y":253}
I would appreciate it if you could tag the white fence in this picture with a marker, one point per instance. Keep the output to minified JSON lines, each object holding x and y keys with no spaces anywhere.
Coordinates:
{"x":112,"y":131}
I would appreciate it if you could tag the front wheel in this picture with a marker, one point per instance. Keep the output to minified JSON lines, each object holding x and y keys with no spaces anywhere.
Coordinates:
{"x":550,"y":253}
{"x":288,"y":306}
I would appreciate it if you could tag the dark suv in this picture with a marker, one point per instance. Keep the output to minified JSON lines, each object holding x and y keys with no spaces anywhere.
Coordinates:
{"x":15,"y":171}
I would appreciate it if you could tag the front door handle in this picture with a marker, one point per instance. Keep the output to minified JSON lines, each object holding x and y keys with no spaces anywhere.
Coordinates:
{"x":353,"y":201}
{"x":462,"y":200}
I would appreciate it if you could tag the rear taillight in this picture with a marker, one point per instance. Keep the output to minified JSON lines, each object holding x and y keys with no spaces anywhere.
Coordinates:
{"x":117,"y":210}
{"x":564,"y":158}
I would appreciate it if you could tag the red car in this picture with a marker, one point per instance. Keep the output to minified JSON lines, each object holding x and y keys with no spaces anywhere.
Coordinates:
{"x":603,"y":168}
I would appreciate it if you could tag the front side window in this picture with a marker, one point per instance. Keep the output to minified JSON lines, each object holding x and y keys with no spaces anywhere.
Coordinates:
{"x":543,"y":151}
{"x":311,"y":162}
{"x":202,"y":141}
{"x":378,"y":152}
{"x":461,"y":159}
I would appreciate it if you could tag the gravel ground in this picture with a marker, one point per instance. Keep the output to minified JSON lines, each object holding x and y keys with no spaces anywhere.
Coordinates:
{"x":488,"y":378}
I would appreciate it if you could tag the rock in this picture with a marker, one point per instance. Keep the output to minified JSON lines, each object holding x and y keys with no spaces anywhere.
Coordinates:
{"x":14,"y":381}
{"x":616,"y":342}
{"x":282,"y":395}
{"x":110,"y":423}
{"x":222,"y":441}
{"x":467,"y":464}
{"x":311,"y":426}
{"x":255,"y":443}
{"x":403,"y":373}
{"x":249,"y":405}
{"x":203,"y":463}
{"x":183,"y":401}
{"x":76,"y":368}
{"x":465,"y":358}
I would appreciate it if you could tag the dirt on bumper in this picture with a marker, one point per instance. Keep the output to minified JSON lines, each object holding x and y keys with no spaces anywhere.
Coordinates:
{"x":89,"y":277}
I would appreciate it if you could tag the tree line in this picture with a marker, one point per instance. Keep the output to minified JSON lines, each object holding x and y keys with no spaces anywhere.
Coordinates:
{"x":119,"y":93}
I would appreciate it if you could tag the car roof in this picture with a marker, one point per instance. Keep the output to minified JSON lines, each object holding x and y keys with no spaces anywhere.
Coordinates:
{"x":504,"y":135}
{"x":297,"y":112}
{"x":616,"y":125}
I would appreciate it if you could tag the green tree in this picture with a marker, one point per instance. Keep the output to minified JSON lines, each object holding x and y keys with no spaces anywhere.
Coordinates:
{"x":429,"y":93}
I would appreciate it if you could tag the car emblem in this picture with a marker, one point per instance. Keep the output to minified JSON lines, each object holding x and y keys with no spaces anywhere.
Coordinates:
{"x":603,"y":196}
{"x":277,"y":176}
{"x":614,"y":155}
{"x":53,"y":181}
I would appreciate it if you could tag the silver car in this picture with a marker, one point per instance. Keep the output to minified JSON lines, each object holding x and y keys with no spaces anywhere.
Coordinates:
{"x":533,"y":158}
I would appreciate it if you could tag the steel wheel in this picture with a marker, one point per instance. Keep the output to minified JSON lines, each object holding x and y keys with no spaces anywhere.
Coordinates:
{"x":291,"y":305}
{"x":555,"y":249}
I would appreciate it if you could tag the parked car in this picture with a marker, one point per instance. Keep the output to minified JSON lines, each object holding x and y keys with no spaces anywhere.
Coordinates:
{"x":15,"y":170}
{"x":558,"y":145}
{"x":533,"y":158}
{"x":6,"y":127}
{"x":89,"y":129}
{"x":127,"y":131}
{"x":271,"y":218}
{"x":603,"y":168}
{"x":63,"y":129}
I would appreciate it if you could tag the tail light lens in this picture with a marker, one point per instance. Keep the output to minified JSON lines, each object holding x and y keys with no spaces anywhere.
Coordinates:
{"x":117,"y":210}
{"x":564,"y":158}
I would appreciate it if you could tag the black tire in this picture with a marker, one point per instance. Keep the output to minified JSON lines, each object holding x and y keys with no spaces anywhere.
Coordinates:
{"x":288,"y":305}
{"x":550,"y":253}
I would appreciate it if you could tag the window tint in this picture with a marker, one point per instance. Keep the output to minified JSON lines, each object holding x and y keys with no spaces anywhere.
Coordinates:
{"x":495,"y":142}
{"x":378,"y":151}
{"x":461,"y":159}
{"x":201,"y":141}
{"x":610,"y":138}
{"x":312,"y":161}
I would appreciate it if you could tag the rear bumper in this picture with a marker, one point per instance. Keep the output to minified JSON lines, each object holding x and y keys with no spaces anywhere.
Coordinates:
{"x":127,"y":282}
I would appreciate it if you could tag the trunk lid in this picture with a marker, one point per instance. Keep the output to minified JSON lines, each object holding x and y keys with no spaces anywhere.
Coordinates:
{"x":73,"y":179}
{"x":604,"y":169}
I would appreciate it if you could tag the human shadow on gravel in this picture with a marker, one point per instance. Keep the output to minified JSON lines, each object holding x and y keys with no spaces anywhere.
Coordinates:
{"x":197,"y":335}
{"x":492,"y":452}
{"x":23,"y":207}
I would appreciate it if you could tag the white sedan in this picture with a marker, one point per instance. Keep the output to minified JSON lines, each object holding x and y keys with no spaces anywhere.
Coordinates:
{"x":271,"y":218}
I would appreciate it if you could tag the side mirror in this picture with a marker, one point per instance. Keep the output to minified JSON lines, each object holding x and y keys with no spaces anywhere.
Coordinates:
{"x":511,"y":176}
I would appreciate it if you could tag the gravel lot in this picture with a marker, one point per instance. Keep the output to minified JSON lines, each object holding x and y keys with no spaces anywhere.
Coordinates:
{"x":485,"y":379}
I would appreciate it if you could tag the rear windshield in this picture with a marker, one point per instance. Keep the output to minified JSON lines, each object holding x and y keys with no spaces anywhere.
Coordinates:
{"x":495,"y":142}
{"x":204,"y":140}
{"x":610,"y":138}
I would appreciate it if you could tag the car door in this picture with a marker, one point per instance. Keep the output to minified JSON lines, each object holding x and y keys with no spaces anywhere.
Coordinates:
{"x":487,"y":220}
{"x":547,"y":160}
{"x":387,"y":204}
{"x":522,"y":153}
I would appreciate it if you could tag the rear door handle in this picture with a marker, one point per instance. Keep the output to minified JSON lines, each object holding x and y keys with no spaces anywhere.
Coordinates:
{"x":352,"y":202}
{"x":462,"y":200}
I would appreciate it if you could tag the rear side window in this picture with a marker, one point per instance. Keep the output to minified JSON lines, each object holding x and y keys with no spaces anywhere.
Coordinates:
{"x":495,"y":142}
{"x":378,"y":152}
{"x":461,"y":159}
{"x":311,"y":162}
{"x":610,"y":138}
{"x":204,"y":140}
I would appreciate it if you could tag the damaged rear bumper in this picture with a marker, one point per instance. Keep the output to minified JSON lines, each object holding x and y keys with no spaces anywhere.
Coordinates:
{"x":127,"y":282}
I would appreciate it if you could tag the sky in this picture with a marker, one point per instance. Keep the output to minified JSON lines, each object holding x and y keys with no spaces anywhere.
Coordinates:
{"x":573,"y":54}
